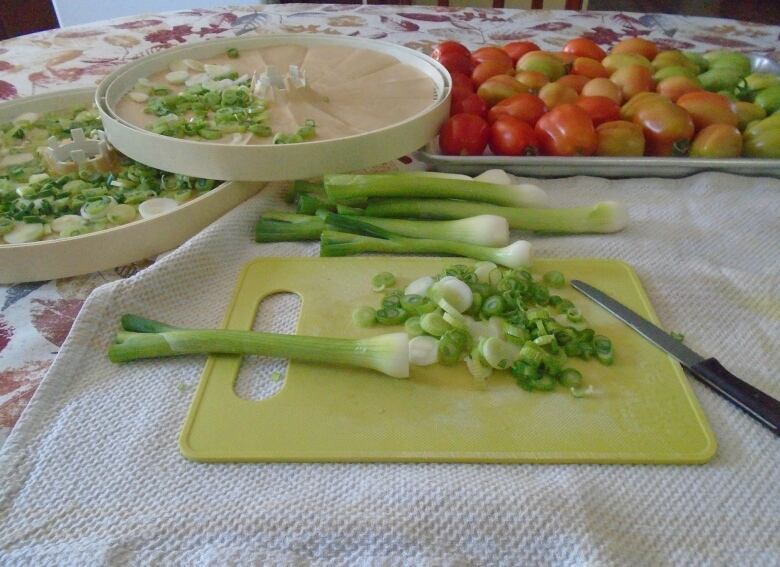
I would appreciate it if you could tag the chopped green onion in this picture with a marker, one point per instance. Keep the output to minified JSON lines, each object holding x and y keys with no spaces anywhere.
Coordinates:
{"x":418,"y":304}
{"x":677,"y":336}
{"x":573,"y":314}
{"x":232,"y":53}
{"x":554,"y":279}
{"x":544,"y":384}
{"x":493,"y":305}
{"x":570,"y":378}
{"x":364,"y":316}
{"x":412,"y":326}
{"x":603,"y":347}
{"x":382,"y":281}
{"x":423,"y":351}
{"x":434,"y":324}
{"x":391,"y":316}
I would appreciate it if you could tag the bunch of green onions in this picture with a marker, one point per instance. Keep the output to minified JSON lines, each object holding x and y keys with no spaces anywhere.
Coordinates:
{"x":391,"y":213}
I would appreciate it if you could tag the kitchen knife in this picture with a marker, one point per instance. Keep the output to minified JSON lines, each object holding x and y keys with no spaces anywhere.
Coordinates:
{"x":759,"y":405}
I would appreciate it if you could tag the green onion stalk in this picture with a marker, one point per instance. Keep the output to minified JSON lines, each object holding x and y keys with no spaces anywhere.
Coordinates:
{"x":333,"y":243}
{"x":349,"y":189}
{"x":604,"y":217}
{"x":144,"y":338}
{"x":483,"y":230}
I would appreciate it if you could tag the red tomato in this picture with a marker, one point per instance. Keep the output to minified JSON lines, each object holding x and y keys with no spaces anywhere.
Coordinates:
{"x":459,"y":93}
{"x":567,"y":130}
{"x":470,"y":104}
{"x":512,"y":137}
{"x":491,"y":54}
{"x":456,"y":63}
{"x":446,"y":47}
{"x":526,"y":107}
{"x":484,"y":71}
{"x":584,"y":47}
{"x":462,"y":80}
{"x":464,"y":135}
{"x":600,"y":108}
{"x":517,"y":49}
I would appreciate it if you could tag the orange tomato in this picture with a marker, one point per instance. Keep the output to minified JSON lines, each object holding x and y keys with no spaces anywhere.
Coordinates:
{"x":603,"y":87}
{"x":614,"y":62}
{"x":600,"y":108}
{"x":498,"y":88}
{"x":517,"y":49}
{"x":556,"y":94}
{"x":708,"y":108}
{"x":584,"y":47}
{"x":620,"y":138}
{"x":637,"y":45}
{"x":532,"y":79}
{"x":567,"y":58}
{"x":484,"y":71}
{"x":668,"y":128}
{"x":674,"y":87}
{"x":567,"y":131}
{"x":632,"y":80}
{"x":491,"y":53}
{"x":574,"y":81}
{"x":524,"y":106}
{"x":717,"y":141}
{"x":629,"y":110}
{"x":588,"y":67}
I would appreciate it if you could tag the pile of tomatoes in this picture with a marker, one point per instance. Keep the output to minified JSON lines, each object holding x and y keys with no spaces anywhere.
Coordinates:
{"x":633,"y":101}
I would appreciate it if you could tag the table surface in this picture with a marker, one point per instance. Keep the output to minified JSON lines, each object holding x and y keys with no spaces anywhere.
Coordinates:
{"x":35,"y":317}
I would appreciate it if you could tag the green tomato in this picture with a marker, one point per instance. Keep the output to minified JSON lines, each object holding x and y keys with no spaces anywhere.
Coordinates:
{"x":724,"y":59}
{"x":769,"y":99}
{"x":720,"y":79}
{"x":760,"y":81}
{"x":698,"y":60}
{"x":762,"y":139}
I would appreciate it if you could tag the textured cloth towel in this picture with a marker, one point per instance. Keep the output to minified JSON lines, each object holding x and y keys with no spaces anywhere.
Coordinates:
{"x":92,"y":473}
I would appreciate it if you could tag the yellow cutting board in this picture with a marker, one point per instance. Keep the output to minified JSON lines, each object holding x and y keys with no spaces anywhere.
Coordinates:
{"x":643,"y":409}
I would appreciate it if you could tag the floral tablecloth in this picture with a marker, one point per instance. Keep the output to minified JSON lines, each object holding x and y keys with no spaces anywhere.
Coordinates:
{"x":36,"y":317}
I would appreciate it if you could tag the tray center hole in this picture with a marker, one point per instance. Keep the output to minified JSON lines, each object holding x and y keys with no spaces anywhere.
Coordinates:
{"x":261,"y":377}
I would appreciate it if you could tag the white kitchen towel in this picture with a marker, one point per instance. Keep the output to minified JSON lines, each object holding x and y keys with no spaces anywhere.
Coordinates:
{"x":92,"y":472}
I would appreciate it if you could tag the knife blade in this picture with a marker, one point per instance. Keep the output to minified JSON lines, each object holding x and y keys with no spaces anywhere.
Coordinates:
{"x":759,"y":405}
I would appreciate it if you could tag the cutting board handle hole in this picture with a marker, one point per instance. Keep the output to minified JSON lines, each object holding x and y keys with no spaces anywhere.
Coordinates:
{"x":261,"y":377}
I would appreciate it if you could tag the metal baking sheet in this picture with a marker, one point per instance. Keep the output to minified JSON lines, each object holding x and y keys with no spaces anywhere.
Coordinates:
{"x":610,"y":167}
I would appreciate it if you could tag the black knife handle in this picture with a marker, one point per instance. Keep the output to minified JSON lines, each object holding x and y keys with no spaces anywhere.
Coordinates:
{"x":759,"y":405}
